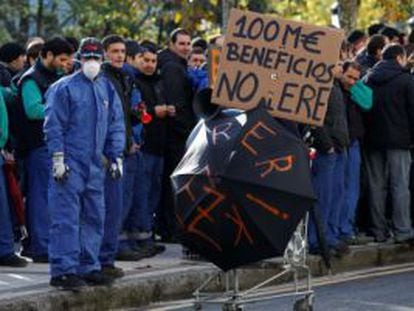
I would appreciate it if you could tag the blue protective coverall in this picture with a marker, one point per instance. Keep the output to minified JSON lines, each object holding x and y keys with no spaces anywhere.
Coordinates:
{"x":84,"y":119}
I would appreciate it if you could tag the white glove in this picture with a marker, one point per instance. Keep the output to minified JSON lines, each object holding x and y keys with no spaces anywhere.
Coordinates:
{"x":60,"y":169}
{"x":116,"y":169}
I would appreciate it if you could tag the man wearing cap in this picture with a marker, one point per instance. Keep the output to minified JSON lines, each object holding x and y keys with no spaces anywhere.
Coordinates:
{"x":84,"y":129}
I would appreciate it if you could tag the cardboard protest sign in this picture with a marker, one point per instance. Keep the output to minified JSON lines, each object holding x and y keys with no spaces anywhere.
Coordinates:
{"x":214,"y":52}
{"x":286,"y":65}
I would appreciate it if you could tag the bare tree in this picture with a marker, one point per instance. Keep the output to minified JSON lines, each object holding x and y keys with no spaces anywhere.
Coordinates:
{"x":348,"y":13}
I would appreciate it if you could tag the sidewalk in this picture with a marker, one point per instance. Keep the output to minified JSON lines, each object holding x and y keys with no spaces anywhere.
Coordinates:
{"x":164,"y":277}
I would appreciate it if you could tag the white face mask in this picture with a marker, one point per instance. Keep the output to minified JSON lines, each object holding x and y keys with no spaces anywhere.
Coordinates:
{"x":91,"y":69}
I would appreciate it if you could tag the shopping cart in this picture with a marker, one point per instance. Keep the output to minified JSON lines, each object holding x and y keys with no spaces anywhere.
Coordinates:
{"x":294,"y":264}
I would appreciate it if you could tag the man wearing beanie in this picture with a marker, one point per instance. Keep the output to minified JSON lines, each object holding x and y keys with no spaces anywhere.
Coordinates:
{"x":12,"y":60}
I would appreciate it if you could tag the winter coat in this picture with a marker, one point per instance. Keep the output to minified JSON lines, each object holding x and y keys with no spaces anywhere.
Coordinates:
{"x":334,"y":132}
{"x":178,"y":92}
{"x":152,"y":95}
{"x":390,"y":123}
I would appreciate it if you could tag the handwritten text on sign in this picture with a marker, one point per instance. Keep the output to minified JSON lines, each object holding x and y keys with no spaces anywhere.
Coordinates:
{"x":286,"y":65}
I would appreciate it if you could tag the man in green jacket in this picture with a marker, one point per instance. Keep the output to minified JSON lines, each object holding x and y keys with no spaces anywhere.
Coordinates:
{"x":32,"y":86}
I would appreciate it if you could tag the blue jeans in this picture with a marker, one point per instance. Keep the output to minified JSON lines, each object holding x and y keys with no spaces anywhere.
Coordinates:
{"x":133,"y":198}
{"x":352,"y":185}
{"x":328,"y":182}
{"x":338,"y":196}
{"x":37,"y":215}
{"x":113,"y":220}
{"x":140,"y":221}
{"x":6,"y":230}
{"x":154,"y":167}
{"x":77,"y":221}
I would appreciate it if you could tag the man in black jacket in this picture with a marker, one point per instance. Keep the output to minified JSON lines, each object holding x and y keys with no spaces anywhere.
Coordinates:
{"x":390,"y":133}
{"x":141,"y":226}
{"x":115,"y":53}
{"x":351,"y":74}
{"x":328,"y":170}
{"x":179,"y":95}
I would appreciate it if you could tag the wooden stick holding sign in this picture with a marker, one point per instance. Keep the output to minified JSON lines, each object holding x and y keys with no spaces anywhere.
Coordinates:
{"x":214,"y":52}
{"x":286,"y":65}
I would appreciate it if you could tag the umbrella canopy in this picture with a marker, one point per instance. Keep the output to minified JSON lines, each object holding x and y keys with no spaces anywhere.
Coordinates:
{"x":241,"y":188}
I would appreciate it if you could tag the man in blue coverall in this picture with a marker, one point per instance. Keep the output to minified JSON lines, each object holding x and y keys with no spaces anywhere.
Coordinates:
{"x":84,"y":129}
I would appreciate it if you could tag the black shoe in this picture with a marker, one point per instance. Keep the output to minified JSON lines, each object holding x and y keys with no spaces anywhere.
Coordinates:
{"x":40,"y":259}
{"x":404,"y":241}
{"x":158,"y":248}
{"x":170,"y":239}
{"x":190,"y":255}
{"x":68,"y":282}
{"x":26,"y":253}
{"x":13,"y":261}
{"x":350,"y":240}
{"x":135,"y":255}
{"x":112,"y":271}
{"x":340,"y":249}
{"x":315,"y":251}
{"x":97,"y":278}
{"x":152,"y":249}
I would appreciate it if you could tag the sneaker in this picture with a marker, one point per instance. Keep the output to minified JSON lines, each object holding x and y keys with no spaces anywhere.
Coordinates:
{"x":97,"y":278}
{"x":157,"y":237}
{"x":112,"y":271}
{"x":68,"y":282}
{"x":129,"y":255}
{"x":26,"y":253}
{"x":13,"y":261}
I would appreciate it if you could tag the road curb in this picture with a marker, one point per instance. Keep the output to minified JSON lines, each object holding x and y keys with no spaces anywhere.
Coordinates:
{"x":138,"y":289}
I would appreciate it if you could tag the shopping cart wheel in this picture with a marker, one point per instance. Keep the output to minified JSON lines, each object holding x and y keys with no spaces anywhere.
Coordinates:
{"x":304,"y":304}
{"x":232,"y":307}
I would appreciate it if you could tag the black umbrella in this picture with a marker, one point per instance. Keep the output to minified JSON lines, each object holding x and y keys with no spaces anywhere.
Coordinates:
{"x":241,"y":188}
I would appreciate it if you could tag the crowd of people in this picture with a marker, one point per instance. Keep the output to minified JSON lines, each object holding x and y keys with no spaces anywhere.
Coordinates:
{"x":93,"y":131}
{"x":361,"y":172}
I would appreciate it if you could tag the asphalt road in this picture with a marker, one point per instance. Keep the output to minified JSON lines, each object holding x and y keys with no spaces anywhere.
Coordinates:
{"x":393,"y":291}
